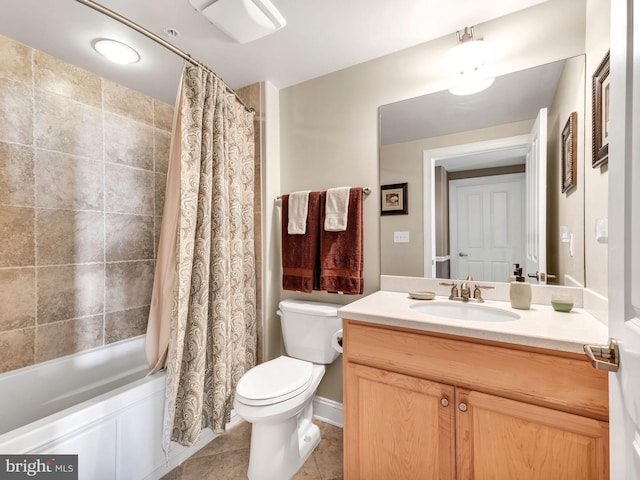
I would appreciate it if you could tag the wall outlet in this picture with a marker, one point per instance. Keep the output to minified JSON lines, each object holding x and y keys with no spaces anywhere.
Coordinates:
{"x":400,"y":237}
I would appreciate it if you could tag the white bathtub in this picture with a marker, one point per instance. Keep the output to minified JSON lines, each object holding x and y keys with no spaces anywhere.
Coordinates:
{"x":98,"y":404}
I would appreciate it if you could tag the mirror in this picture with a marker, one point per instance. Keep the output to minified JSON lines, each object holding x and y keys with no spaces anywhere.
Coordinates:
{"x":469,"y":195}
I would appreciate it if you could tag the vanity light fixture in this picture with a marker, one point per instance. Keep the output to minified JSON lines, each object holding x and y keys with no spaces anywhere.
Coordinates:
{"x":115,"y":51}
{"x":468,"y":58}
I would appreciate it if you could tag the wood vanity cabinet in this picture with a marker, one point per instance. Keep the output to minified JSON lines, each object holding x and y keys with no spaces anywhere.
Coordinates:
{"x":419,"y":405}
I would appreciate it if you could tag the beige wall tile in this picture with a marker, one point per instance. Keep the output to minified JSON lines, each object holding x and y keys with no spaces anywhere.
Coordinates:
{"x":128,"y":285}
{"x":16,"y":236}
{"x":125,"y":324}
{"x":15,"y":60}
{"x":158,"y":228}
{"x":17,"y":349}
{"x":16,"y":112}
{"x":17,"y":298}
{"x":129,"y":237}
{"x":128,"y":142}
{"x":161,"y":150}
{"x":67,"y":126}
{"x":16,"y":175}
{"x":67,"y":181}
{"x":58,"y":339}
{"x":124,"y":101}
{"x":162,"y":115}
{"x":68,"y":236}
{"x":69,"y":291}
{"x":64,"y":79}
{"x":129,"y":190}
{"x":161,"y":184}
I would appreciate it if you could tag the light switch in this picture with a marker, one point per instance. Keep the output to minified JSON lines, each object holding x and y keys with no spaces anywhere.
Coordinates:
{"x":400,"y":237}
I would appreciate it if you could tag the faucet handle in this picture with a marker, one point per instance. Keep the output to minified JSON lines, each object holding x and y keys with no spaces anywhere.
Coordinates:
{"x":454,"y":289}
{"x":477,"y":293}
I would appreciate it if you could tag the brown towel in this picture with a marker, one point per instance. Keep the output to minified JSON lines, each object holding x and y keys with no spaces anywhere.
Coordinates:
{"x":300,"y":269}
{"x":341,"y":253}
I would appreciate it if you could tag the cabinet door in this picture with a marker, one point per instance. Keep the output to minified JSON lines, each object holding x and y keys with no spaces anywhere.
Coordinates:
{"x":499,"y":438}
{"x":396,"y":426}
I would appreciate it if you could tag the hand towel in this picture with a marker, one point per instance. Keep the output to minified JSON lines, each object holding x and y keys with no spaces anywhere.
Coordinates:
{"x":341,"y":253}
{"x":300,"y":268}
{"x":336,"y":209}
{"x":298,"y":207}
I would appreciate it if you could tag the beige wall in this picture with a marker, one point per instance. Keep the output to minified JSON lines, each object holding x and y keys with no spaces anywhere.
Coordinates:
{"x":329,"y":125}
{"x":566,"y":208}
{"x":596,"y":179}
{"x":83,"y":165}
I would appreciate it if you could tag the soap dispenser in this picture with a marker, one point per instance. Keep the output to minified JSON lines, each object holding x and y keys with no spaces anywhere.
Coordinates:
{"x":519,"y":290}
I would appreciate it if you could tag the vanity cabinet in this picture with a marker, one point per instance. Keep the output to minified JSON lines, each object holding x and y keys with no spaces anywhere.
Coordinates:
{"x":427,"y":406}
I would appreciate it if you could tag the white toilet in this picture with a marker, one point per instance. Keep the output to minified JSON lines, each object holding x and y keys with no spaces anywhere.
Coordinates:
{"x":276,"y":396}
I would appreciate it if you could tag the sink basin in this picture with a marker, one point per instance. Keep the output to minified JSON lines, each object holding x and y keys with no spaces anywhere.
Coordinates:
{"x":466,"y":311}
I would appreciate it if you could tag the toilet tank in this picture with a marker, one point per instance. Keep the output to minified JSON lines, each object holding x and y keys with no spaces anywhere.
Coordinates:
{"x":308,"y":328}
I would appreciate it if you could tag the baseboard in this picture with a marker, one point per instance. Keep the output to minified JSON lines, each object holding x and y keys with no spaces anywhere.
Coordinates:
{"x":327,"y":411}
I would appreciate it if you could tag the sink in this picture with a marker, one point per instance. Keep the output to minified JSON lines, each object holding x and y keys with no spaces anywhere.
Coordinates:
{"x":466,"y":311}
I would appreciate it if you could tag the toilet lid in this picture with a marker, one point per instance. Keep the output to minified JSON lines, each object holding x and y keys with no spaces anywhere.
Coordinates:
{"x":274,"y":381}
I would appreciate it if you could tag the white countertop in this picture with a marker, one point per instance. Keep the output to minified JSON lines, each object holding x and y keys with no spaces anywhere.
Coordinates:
{"x":540,"y":326}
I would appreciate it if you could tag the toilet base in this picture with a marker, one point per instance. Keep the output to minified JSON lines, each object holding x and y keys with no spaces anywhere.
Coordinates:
{"x":279,"y":449}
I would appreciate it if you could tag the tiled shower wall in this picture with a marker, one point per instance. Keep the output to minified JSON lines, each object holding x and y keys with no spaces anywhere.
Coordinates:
{"x":83,"y":165}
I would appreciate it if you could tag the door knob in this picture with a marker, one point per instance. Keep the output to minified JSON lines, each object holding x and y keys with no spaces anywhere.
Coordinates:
{"x":444,"y":402}
{"x":463,"y":407}
{"x":604,"y":357}
{"x":463,"y":254}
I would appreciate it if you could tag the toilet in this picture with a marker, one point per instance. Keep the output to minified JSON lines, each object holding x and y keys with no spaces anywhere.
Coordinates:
{"x":276,"y":396}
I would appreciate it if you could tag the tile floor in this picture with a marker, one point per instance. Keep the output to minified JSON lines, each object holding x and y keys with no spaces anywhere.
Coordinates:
{"x":227,"y":457}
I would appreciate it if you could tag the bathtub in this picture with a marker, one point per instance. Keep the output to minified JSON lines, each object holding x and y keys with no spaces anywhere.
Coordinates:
{"x":98,"y":404}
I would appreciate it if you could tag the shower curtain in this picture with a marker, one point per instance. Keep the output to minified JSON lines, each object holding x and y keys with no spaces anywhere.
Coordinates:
{"x":202,"y":321}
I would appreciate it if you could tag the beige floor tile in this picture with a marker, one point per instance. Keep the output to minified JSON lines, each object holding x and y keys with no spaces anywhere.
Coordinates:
{"x":227,"y":457}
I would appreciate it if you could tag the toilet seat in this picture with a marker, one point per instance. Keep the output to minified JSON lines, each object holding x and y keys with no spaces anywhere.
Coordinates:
{"x":274,"y":381}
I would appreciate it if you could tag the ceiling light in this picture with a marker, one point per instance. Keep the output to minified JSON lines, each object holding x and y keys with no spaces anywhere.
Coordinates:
{"x":115,"y":51}
{"x":468,"y":58}
{"x":470,"y":82}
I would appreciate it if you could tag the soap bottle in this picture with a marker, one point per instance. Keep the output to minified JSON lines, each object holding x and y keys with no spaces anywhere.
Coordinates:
{"x":519,"y":290}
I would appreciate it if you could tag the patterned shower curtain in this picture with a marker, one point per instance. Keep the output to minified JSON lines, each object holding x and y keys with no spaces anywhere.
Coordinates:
{"x":209,"y":248}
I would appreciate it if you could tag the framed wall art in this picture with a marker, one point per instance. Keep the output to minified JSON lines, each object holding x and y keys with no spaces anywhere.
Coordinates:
{"x":569,"y":153}
{"x":393,"y":199}
{"x":600,"y":109}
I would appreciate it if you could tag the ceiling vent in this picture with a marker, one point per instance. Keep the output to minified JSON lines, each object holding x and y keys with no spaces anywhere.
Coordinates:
{"x":242,"y":20}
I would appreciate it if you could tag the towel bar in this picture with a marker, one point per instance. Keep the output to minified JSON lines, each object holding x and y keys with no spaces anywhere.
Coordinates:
{"x":365,"y":190}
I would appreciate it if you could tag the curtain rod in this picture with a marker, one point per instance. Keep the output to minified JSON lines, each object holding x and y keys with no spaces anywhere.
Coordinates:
{"x":365,"y":190}
{"x":125,"y":21}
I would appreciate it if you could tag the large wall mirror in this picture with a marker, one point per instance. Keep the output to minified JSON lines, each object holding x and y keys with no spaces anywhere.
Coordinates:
{"x":488,"y":180}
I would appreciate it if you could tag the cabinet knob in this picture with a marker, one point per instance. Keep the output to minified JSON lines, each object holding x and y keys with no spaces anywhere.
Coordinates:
{"x":444,"y":402}
{"x":463,"y":407}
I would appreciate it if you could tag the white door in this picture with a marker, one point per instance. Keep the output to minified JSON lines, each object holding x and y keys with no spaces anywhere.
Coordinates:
{"x":536,"y":201}
{"x":486,"y":223}
{"x":624,"y":241}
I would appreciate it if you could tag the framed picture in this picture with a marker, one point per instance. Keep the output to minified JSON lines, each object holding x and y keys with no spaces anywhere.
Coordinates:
{"x":393,"y":199}
{"x":600,"y":109}
{"x":569,"y":153}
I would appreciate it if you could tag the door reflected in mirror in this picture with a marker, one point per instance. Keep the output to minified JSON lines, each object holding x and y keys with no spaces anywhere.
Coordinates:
{"x":484,"y":177}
